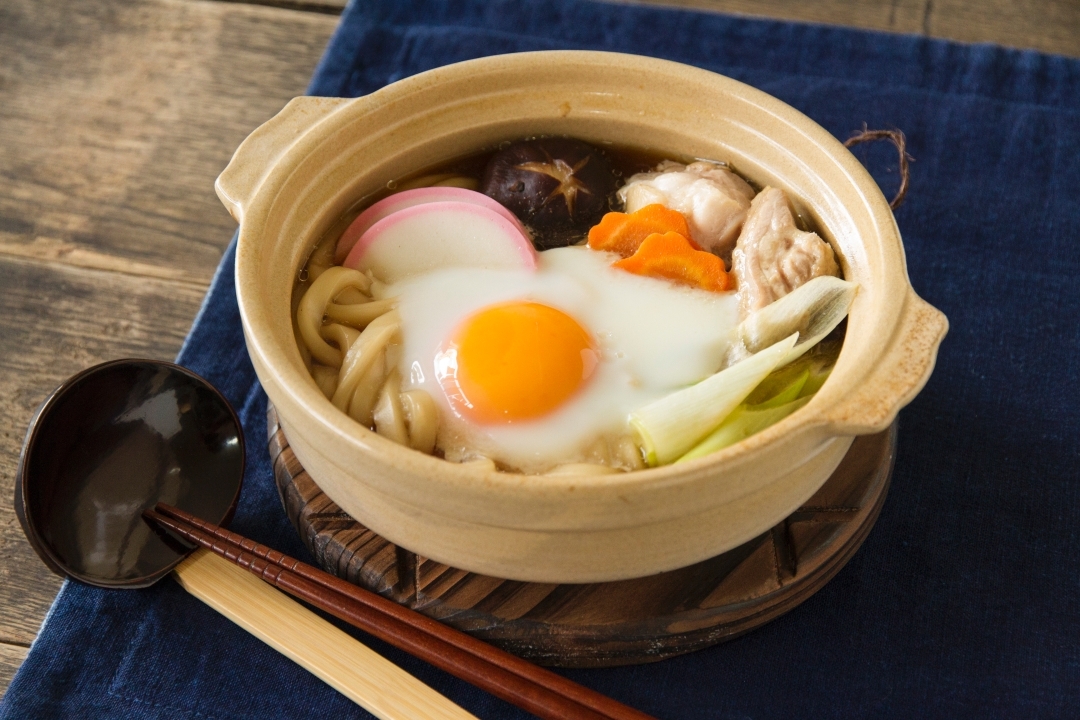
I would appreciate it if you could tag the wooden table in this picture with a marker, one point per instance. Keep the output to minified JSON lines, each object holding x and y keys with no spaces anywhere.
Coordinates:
{"x":115,"y":118}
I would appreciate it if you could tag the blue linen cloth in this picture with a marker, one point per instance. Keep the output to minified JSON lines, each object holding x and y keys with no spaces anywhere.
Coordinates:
{"x":965,"y":599}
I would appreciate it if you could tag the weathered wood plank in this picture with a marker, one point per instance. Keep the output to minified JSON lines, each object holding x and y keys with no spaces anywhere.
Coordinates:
{"x":1047,"y":25}
{"x":55,"y":321}
{"x":11,"y":657}
{"x":905,"y":16}
{"x":330,"y":7}
{"x":117,"y":117}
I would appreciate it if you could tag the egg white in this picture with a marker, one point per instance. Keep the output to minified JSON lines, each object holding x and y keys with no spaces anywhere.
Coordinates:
{"x":653,"y":337}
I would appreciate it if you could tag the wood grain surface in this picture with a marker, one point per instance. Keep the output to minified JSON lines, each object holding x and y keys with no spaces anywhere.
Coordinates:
{"x":115,"y":118}
{"x":11,"y":657}
{"x":119,"y":115}
{"x":1051,"y":26}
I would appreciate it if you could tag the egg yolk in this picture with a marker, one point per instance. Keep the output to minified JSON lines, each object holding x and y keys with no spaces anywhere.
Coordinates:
{"x":514,"y":361}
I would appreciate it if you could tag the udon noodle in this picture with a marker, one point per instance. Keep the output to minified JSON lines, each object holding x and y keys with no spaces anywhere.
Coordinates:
{"x":347,"y":335}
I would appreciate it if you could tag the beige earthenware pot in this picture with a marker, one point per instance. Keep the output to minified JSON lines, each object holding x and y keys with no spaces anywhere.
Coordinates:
{"x":300,"y":172}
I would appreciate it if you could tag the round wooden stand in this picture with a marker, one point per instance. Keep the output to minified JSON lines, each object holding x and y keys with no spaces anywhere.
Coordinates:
{"x":613,"y":623}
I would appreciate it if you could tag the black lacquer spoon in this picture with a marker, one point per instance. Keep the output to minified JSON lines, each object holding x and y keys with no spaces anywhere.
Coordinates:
{"x":111,"y":442}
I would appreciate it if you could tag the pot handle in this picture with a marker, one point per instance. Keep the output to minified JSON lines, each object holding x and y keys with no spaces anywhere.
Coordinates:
{"x":241,"y":179}
{"x":900,"y":375}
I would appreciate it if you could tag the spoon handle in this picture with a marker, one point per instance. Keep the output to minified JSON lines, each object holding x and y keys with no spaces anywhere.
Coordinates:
{"x":357,"y":672}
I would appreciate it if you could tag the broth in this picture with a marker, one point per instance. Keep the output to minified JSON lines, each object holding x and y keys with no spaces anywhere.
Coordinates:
{"x":609,"y":450}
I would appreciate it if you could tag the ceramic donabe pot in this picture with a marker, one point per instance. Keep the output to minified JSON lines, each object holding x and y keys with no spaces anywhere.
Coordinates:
{"x":300,"y":172}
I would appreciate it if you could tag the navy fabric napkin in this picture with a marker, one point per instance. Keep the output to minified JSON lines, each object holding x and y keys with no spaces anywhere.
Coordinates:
{"x":965,"y":599}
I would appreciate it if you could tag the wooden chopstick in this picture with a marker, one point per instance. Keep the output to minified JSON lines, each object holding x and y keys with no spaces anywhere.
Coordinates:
{"x":506,"y":676}
{"x":522,"y":691}
{"x":327,"y":652}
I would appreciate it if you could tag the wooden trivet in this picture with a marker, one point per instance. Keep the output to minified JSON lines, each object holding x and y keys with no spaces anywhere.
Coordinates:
{"x":613,"y":623}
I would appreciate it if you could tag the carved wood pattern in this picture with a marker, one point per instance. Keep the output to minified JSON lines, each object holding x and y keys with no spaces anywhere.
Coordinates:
{"x":614,"y":623}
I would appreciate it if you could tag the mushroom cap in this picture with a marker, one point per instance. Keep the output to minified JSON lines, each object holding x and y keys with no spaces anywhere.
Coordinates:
{"x":559,"y":187}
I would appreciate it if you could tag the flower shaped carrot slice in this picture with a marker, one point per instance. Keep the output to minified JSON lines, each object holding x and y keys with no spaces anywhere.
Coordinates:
{"x":671,"y":256}
{"x":624,"y":232}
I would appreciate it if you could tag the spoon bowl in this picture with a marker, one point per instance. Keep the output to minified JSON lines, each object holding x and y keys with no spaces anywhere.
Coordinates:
{"x":112,"y":441}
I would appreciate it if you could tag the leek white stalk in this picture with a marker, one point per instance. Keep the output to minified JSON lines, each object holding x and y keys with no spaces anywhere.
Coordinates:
{"x":668,"y":428}
{"x":813,"y":310}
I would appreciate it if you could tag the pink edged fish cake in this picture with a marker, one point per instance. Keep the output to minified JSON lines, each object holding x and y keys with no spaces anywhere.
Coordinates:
{"x":410,"y":198}
{"x":435,"y":235}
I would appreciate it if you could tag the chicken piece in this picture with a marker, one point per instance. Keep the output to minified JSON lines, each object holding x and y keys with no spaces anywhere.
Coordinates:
{"x":773,"y":256}
{"x":713,"y":200}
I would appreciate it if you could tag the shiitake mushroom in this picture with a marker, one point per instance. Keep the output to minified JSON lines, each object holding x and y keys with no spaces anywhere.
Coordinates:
{"x":558,"y":187}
